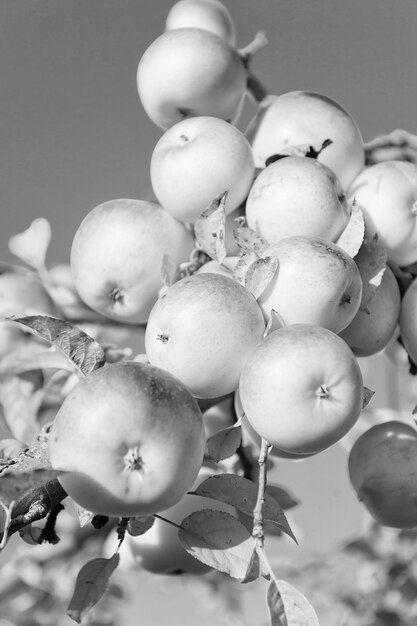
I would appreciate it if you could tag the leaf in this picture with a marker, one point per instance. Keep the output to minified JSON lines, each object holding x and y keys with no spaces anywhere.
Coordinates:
{"x":224,"y":443}
{"x":34,"y":356}
{"x":85,"y":353}
{"x":139,"y":525}
{"x":371,"y":261}
{"x":285,"y":499}
{"x":274,"y":323}
{"x":242,"y":266}
{"x":209,"y":229}
{"x":242,"y":493}
{"x":34,"y":458}
{"x":288,"y":606}
{"x":84,"y":517}
{"x":32,"y":244}
{"x":367,"y":396}
{"x":259,"y":275}
{"x":351,"y":238}
{"x":10,"y":448}
{"x":20,"y":405}
{"x":90,"y":585}
{"x":31,"y":534}
{"x":219,"y":540}
{"x":249,"y":241}
{"x":170,"y":271}
{"x":14,"y":485}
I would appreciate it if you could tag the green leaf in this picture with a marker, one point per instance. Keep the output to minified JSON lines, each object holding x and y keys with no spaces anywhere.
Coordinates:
{"x":275,"y":322}
{"x":219,"y":540}
{"x":85,"y":354}
{"x":352,"y":237}
{"x":242,"y":493}
{"x":14,"y":485}
{"x":285,"y":499}
{"x":209,"y":229}
{"x":288,"y":606}
{"x":32,"y":245}
{"x":20,"y":404}
{"x":372,"y":262}
{"x":139,"y":525}
{"x":249,"y":241}
{"x":259,"y":275}
{"x":170,"y":271}
{"x":367,"y":396}
{"x":34,"y":458}
{"x":90,"y":586}
{"x":224,"y":443}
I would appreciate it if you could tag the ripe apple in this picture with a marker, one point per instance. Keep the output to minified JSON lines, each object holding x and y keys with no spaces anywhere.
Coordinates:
{"x":317,"y":283}
{"x":372,"y":328}
{"x":383,"y":472}
{"x":210,"y":15}
{"x":387,"y":194}
{"x":117,"y":253}
{"x":195,"y":161}
{"x":202,"y":329}
{"x":297,"y":196}
{"x":130,"y":440}
{"x":21,"y":293}
{"x":305,"y":117}
{"x":408,"y":320}
{"x":188,"y":72}
{"x":301,"y":388}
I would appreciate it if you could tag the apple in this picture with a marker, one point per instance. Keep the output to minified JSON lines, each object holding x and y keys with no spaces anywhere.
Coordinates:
{"x":373,"y":327}
{"x":198,"y":159}
{"x":383,"y":472}
{"x":408,"y":321}
{"x":129,"y":439}
{"x":301,"y":388}
{"x":210,"y":15}
{"x":395,"y":351}
{"x":188,"y":72}
{"x":297,"y":195}
{"x":218,"y":416}
{"x":317,"y":283}
{"x":21,"y":293}
{"x":305,"y":117}
{"x":202,"y":329}
{"x":225,"y":268}
{"x":116,"y":256}
{"x":387,"y":194}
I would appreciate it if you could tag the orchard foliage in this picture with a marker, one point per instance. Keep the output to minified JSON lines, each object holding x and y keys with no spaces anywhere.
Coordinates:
{"x":236,"y":306}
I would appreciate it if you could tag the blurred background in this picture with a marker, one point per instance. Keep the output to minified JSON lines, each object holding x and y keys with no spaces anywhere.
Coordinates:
{"x":73,"y":134}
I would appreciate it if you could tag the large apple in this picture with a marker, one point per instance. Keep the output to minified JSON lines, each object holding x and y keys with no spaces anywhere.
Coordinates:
{"x":129,"y":439}
{"x":198,"y":159}
{"x":374,"y":325}
{"x":383,"y":472}
{"x":117,"y":253}
{"x":408,"y":321}
{"x":301,"y":388}
{"x":317,"y":283}
{"x":210,"y":15}
{"x":297,"y":196}
{"x":387,"y":194}
{"x":202,"y":330}
{"x":188,"y":72}
{"x":308,"y":118}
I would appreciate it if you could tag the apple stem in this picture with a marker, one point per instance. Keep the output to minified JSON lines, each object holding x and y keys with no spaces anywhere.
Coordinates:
{"x":254,"y":86}
{"x":258,"y":42}
{"x":258,"y":529}
{"x":168,"y":521}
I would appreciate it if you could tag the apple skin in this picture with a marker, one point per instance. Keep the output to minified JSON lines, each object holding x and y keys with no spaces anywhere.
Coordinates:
{"x":383,"y":472}
{"x":306,"y":117}
{"x":297,"y":196}
{"x":210,"y":15}
{"x":301,"y":389}
{"x":117,"y":253}
{"x":370,"y":332}
{"x":195,"y":161}
{"x":316,"y":283}
{"x":188,"y":72}
{"x":201,"y":330}
{"x":131,"y":438}
{"x":387,"y":194}
{"x":408,"y":320}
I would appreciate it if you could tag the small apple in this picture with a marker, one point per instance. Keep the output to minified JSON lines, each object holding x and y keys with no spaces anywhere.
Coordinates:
{"x":202,"y":329}
{"x":316,"y":283}
{"x":210,"y":15}
{"x":383,"y":472}
{"x":308,"y":118}
{"x":372,"y":328}
{"x":301,"y":388}
{"x":129,"y":439}
{"x":198,"y":159}
{"x":297,"y":195}
{"x":117,"y":253}
{"x":408,"y":321}
{"x":387,"y":194}
{"x":188,"y":72}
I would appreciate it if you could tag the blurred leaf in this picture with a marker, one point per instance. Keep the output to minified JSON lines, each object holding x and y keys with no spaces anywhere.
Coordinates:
{"x":259,"y":275}
{"x":34,"y":356}
{"x":20,"y":407}
{"x":10,"y":448}
{"x":31,"y":534}
{"x":352,"y":237}
{"x":242,"y":493}
{"x":224,"y":443}
{"x":249,"y":241}
{"x":371,"y":261}
{"x":84,"y":516}
{"x":90,"y":586}
{"x":368,"y":394}
{"x":288,"y":606}
{"x":170,"y":271}
{"x":219,"y":540}
{"x":85,"y":353}
{"x":285,"y":499}
{"x":139,"y":525}
{"x":34,"y":458}
{"x":32,"y":245}
{"x":275,"y":322}
{"x":14,"y":485}
{"x":209,"y":229}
